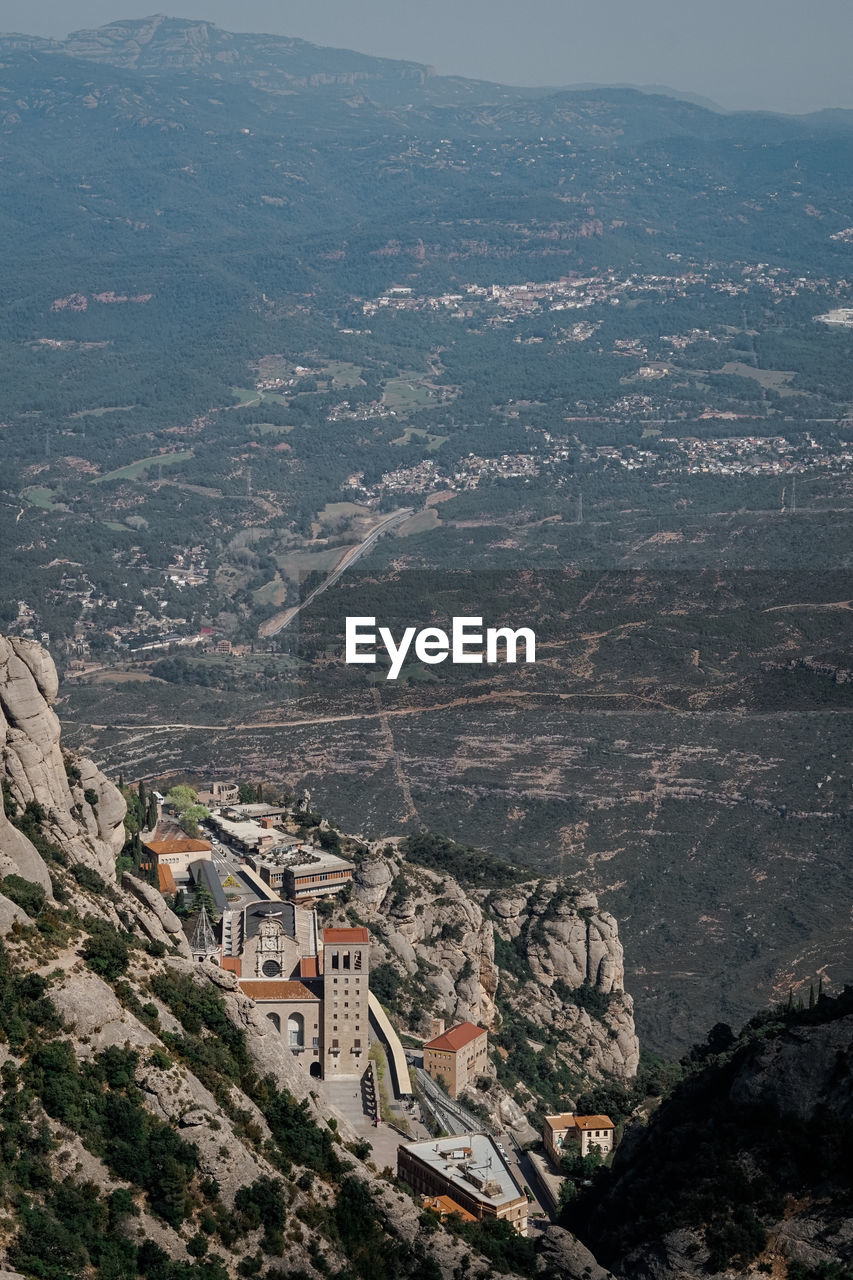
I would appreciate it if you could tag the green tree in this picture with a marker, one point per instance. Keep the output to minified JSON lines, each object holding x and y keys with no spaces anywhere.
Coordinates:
{"x":180,"y":797}
{"x":153,"y":812}
{"x":106,"y":951}
{"x":192,"y":816}
{"x":28,"y":896}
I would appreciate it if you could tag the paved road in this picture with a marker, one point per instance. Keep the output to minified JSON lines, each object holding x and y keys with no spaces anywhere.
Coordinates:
{"x":348,"y":1097}
{"x":227,"y":863}
{"x":277,"y":624}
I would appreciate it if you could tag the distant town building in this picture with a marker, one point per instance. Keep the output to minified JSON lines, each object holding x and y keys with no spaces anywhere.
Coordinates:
{"x":458,"y":1056}
{"x":470,"y":1170}
{"x":568,"y":1134}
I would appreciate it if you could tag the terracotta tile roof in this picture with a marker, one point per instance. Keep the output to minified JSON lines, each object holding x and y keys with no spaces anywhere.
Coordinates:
{"x":445,"y":1205}
{"x":339,"y":937}
{"x":568,"y":1120}
{"x":456,"y":1038}
{"x":232,"y":964}
{"x":162,"y":848}
{"x":276,"y":989}
{"x":594,"y":1122}
{"x":308,"y":967}
{"x":166,"y":880}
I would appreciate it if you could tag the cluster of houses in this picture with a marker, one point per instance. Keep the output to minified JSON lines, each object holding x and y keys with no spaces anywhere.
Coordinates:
{"x":312,"y":984}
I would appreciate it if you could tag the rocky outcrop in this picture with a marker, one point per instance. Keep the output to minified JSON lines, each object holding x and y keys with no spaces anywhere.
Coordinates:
{"x":565,"y":973}
{"x":10,"y":915}
{"x":572,"y":946}
{"x":563,"y":1254}
{"x":150,"y":898}
{"x":428,"y":924}
{"x":82,"y":811}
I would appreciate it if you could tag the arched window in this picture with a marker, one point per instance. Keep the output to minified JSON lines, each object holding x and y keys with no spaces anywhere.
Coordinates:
{"x":296,"y":1031}
{"x":275,"y":1020}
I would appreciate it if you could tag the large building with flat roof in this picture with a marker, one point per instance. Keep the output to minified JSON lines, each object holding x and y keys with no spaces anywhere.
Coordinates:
{"x":244,"y":833}
{"x":300,"y":872}
{"x":470,"y":1170}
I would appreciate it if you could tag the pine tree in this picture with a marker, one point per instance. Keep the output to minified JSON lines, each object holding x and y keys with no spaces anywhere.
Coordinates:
{"x":811,"y":996}
{"x":153,"y":812}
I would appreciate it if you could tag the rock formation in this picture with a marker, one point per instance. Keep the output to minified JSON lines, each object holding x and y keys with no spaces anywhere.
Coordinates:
{"x":441,"y":939}
{"x":82,"y":810}
{"x":60,"y":813}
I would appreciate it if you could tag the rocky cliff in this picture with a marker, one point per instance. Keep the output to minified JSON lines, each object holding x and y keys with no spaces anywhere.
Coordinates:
{"x":150,"y":1120}
{"x":537,"y":960}
{"x":746,"y":1167}
{"x":75,"y":804}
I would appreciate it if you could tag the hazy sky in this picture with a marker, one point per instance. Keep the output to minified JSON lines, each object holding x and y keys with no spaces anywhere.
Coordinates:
{"x":783,"y":55}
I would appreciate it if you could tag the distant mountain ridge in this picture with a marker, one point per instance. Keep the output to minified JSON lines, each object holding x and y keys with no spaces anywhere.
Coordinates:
{"x":161,"y":45}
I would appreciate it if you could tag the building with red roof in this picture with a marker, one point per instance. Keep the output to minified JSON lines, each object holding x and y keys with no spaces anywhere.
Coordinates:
{"x":456,"y":1057}
{"x":345,"y":937}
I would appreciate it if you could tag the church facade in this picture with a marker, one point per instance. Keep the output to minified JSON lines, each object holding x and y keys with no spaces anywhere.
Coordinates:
{"x":311,"y":984}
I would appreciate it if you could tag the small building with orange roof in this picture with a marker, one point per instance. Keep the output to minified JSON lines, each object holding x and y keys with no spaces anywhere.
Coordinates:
{"x":458,"y":1056}
{"x":568,"y":1134}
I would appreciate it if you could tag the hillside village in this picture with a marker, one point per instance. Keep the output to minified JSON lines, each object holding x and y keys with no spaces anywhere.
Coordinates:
{"x":273,"y":908}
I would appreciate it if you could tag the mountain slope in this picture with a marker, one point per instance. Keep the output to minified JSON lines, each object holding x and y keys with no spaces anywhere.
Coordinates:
{"x":746,"y":1167}
{"x":151,"y":1120}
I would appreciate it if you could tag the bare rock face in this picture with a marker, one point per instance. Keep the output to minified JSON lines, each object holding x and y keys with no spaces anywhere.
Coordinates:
{"x":83,"y":814}
{"x":563,"y":1254}
{"x":372,"y":880}
{"x":435,"y":930}
{"x":9,"y":915}
{"x":572,"y":946}
{"x":150,"y":898}
{"x":92,"y":1012}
